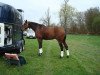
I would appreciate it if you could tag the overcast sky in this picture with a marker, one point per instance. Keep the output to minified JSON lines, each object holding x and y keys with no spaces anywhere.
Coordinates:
{"x":35,"y":9}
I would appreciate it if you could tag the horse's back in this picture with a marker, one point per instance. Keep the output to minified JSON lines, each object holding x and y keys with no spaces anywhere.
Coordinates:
{"x":54,"y":32}
{"x":59,"y":30}
{"x":50,"y":33}
{"x":59,"y":33}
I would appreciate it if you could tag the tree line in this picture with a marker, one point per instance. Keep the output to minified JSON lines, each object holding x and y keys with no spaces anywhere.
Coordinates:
{"x":74,"y":22}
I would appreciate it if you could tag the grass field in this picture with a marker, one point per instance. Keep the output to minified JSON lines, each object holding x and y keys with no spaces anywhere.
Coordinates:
{"x":84,"y":58}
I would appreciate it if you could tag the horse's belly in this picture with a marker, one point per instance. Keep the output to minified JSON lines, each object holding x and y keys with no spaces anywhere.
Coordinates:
{"x":48,"y":37}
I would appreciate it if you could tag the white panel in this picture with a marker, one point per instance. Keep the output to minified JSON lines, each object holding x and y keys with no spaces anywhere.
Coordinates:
{"x":1,"y":34}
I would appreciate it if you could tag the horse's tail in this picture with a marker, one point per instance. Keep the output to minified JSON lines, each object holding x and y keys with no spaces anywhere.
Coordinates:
{"x":64,"y":42}
{"x":65,"y":34}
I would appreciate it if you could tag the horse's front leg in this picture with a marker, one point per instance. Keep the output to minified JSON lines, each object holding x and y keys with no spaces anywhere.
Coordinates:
{"x":40,"y":47}
{"x":61,"y":47}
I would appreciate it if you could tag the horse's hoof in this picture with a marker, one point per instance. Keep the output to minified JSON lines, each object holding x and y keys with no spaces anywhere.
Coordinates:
{"x":40,"y":54}
{"x":67,"y":56}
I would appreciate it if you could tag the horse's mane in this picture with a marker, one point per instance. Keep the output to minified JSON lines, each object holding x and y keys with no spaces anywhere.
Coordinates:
{"x":34,"y":23}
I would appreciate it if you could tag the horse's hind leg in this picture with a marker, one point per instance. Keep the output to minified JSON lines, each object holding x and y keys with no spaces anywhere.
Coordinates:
{"x":66,"y":47}
{"x":40,"y":46}
{"x":61,"y":47}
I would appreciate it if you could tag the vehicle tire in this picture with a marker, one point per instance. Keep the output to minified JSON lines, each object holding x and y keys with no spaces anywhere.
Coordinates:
{"x":2,"y":54}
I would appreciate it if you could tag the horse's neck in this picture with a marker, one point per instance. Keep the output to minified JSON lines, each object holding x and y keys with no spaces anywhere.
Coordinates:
{"x":33,"y":27}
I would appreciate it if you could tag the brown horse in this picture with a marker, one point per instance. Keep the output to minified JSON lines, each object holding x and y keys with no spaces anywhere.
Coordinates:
{"x":48,"y":33}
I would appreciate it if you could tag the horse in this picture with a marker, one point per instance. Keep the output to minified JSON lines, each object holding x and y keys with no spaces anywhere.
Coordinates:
{"x":43,"y":32}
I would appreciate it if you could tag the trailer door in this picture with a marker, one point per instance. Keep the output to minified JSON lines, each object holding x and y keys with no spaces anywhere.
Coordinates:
{"x":2,"y":34}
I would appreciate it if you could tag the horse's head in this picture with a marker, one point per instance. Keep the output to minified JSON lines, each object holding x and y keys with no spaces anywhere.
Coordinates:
{"x":25,"y":26}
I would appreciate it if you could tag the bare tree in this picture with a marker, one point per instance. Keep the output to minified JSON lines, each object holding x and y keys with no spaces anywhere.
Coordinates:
{"x":80,"y":17}
{"x":66,"y":14}
{"x":47,"y":19}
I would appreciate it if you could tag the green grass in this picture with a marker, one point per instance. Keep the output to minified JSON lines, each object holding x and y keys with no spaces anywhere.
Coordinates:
{"x":84,"y":58}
